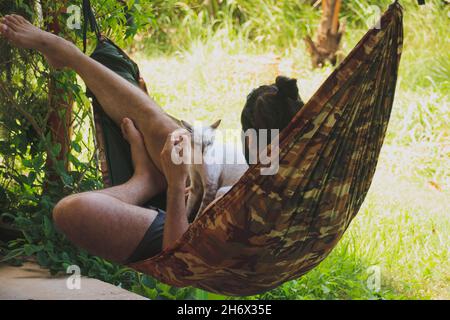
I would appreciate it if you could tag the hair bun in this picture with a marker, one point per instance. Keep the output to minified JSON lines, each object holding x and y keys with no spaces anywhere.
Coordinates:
{"x":287,"y":87}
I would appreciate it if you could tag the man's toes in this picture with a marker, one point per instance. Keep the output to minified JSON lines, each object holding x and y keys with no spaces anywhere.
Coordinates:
{"x":7,"y":32}
{"x":21,"y":20}
{"x":3,"y":28}
{"x":10,"y":22}
{"x":14,"y":18}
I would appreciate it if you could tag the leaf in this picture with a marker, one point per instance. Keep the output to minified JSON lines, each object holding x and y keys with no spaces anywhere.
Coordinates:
{"x":76,"y":147}
{"x":67,"y":179}
{"x":31,"y":177}
{"x":56,"y":149}
{"x":65,"y":257}
{"x":12,"y":254}
{"x":38,"y":162}
{"x":31,"y":249}
{"x":46,"y":203}
{"x":151,"y":293}
{"x":27,"y":163}
{"x":201,"y":295}
{"x":48,"y":226}
{"x":42,"y":258}
{"x":325,"y":289}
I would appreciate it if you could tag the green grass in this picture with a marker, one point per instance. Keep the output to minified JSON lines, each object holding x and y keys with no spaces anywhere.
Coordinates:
{"x":204,"y":72}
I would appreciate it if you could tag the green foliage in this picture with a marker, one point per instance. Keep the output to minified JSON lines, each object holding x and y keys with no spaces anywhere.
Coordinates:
{"x":264,"y":25}
{"x":34,"y":173}
{"x":29,"y":157}
{"x":255,"y":24}
{"x":155,"y":290}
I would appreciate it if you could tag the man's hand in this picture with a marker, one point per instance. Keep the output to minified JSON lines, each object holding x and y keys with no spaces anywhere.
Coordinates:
{"x":174,"y":158}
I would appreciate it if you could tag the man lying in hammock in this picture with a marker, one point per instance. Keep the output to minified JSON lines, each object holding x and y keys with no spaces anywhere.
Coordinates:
{"x":111,"y":223}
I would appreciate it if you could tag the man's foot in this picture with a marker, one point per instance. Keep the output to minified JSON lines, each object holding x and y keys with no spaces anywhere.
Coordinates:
{"x":141,"y":161}
{"x":23,"y":34}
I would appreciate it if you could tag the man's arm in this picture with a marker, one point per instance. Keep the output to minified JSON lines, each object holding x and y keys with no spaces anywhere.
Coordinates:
{"x":176,"y":222}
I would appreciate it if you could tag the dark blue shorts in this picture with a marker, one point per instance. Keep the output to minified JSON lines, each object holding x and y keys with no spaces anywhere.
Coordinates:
{"x":151,"y":243}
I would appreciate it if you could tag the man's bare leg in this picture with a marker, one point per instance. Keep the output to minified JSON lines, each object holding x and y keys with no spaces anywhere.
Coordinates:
{"x":146,"y":181}
{"x":118,"y":97}
{"x":109,"y":223}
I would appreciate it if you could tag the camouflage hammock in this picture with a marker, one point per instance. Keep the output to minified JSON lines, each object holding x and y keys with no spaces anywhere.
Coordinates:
{"x":271,"y":229}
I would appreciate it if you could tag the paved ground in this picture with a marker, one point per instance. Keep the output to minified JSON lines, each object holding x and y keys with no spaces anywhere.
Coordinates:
{"x":30,"y":282}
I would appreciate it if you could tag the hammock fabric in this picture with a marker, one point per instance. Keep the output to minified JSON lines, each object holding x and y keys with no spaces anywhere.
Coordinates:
{"x":271,"y":229}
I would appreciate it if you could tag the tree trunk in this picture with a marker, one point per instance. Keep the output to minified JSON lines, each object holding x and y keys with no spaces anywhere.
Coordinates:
{"x":60,"y":101}
{"x":328,"y":37}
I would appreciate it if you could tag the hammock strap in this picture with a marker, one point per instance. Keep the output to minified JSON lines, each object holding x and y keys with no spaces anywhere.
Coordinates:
{"x":89,"y":17}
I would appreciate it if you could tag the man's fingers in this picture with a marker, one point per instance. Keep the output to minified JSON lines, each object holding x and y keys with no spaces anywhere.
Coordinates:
{"x":179,"y":134}
{"x":177,"y":145}
{"x":182,"y":139}
{"x":170,"y":144}
{"x":177,"y":138}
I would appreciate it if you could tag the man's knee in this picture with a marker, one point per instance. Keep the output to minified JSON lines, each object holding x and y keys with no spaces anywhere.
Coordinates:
{"x":63,"y":210}
{"x":70,"y":208}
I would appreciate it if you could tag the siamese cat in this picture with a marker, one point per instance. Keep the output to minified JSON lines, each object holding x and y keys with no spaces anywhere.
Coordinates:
{"x":214,"y":168}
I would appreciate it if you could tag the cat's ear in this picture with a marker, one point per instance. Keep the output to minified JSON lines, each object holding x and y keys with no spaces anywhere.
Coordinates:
{"x":216,"y":124}
{"x":186,"y":125}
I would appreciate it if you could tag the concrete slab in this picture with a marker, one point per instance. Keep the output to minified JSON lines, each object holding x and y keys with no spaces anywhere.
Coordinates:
{"x":30,"y":282}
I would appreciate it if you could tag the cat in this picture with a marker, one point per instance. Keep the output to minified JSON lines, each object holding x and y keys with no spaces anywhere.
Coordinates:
{"x":210,"y":174}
